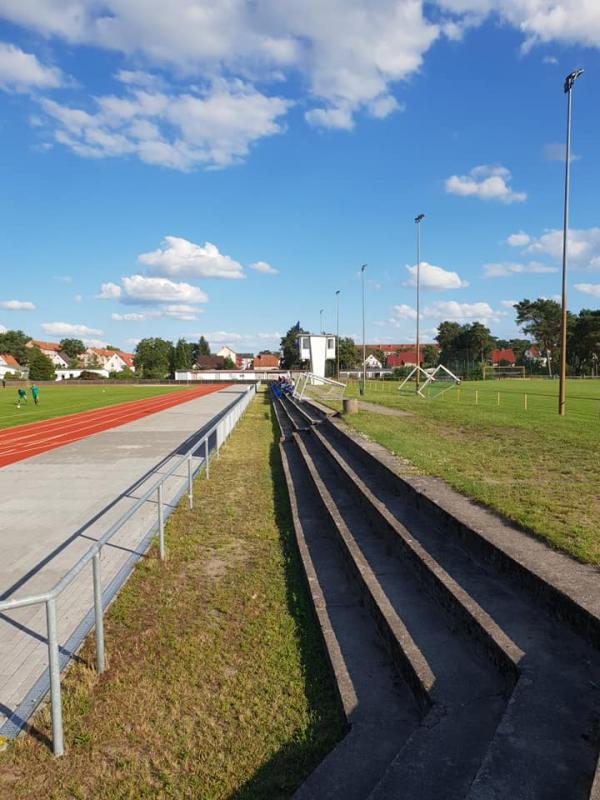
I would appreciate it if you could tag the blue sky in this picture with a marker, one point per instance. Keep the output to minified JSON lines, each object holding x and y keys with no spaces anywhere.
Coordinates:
{"x":299,"y":143}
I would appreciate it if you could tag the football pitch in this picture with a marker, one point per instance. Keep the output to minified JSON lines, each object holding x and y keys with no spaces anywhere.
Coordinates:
{"x":503,"y":444}
{"x":57,"y":400}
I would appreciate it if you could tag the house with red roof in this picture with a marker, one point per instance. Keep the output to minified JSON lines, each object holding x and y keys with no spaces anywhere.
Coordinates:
{"x":52,"y":350}
{"x":504,"y":356}
{"x":10,"y":364}
{"x":406,"y":358}
{"x":104,"y":358}
{"x":266,"y":361}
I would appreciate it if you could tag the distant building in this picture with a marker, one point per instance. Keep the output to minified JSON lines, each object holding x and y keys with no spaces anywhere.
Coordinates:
{"x":209,"y":362}
{"x":103,"y":358}
{"x":266,"y":361}
{"x":10,"y":364}
{"x":371,"y":362}
{"x":505,"y":354}
{"x":392,"y":349}
{"x":407,"y":358}
{"x":227,"y":352}
{"x":52,"y":350}
{"x":244,"y":360}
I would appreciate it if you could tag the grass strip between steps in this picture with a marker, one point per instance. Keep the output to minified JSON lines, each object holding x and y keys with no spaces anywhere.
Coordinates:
{"x":217,"y":683}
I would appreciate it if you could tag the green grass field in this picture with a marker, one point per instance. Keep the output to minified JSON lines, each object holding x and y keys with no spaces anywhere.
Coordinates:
{"x":58,"y":400}
{"x":536,"y":468}
{"x":217,"y":685}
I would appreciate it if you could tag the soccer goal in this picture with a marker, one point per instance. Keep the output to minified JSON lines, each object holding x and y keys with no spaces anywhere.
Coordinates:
{"x":435,"y":381}
{"x":321,"y":389}
{"x":499,"y":373}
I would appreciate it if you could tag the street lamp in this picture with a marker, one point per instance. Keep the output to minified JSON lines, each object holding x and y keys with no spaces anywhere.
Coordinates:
{"x":321,"y":319}
{"x":364,"y":380}
{"x":569,"y":81}
{"x":337,"y":333}
{"x":418,"y":221}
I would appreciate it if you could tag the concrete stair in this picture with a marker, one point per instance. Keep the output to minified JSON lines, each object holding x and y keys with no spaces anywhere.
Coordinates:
{"x":455,"y":679}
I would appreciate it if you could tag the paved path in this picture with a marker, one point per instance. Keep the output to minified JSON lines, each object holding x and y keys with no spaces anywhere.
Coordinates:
{"x":53,"y":506}
{"x":385,"y":410}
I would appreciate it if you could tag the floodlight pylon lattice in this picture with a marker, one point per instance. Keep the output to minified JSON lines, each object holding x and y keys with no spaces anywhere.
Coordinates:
{"x":439,"y":376}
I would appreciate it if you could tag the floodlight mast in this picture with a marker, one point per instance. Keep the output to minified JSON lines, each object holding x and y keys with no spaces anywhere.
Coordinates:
{"x":418,"y":221}
{"x":337,"y":333}
{"x":568,"y":87}
{"x":364,"y":380}
{"x":321,"y":320}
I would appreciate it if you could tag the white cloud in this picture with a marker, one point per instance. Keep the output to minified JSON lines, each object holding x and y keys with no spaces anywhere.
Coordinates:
{"x":583,"y":246}
{"x":462,"y":312}
{"x":520,"y":239}
{"x":211,"y":128}
{"x":78,"y":298}
{"x":148,"y":291}
{"x":433,"y":277}
{"x":133,"y":342}
{"x":133,"y":317}
{"x":402,"y":312}
{"x":21,"y":72}
{"x":180,"y":258}
{"x":2,"y":329}
{"x":558,"y":152}
{"x":549,"y":60}
{"x":505,"y":269}
{"x":109,"y":291}
{"x":592,"y":289}
{"x":508,"y":303}
{"x":68,"y":329}
{"x":94,"y":342}
{"x":487,"y":183}
{"x":17,"y":305}
{"x":264,"y":267}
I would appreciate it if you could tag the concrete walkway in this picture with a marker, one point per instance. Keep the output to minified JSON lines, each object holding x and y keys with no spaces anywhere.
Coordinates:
{"x":54,"y":506}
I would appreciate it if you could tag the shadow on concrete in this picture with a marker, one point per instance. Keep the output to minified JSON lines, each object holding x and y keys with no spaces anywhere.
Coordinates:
{"x":287,"y":768}
{"x":26,"y":726}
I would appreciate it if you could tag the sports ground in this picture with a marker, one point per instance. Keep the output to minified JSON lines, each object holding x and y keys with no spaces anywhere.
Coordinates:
{"x":503,"y":443}
{"x":25,"y":440}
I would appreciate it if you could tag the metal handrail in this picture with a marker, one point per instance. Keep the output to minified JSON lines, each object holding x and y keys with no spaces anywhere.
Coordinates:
{"x":228,"y":421}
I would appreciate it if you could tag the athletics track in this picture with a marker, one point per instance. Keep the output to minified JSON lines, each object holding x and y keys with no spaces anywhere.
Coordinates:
{"x":24,"y":441}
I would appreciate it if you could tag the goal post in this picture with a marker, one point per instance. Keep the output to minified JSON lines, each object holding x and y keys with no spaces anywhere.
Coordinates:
{"x":500,"y":373}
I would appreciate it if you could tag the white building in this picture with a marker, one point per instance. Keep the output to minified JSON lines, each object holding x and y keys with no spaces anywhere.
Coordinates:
{"x":316,"y":348}
{"x":373,"y":363}
{"x":8,"y":364}
{"x":109,"y":360}
{"x":52,"y":350}
{"x":227,"y":352}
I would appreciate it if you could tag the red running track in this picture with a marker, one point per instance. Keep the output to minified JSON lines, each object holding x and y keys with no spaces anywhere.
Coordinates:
{"x":24,"y":441}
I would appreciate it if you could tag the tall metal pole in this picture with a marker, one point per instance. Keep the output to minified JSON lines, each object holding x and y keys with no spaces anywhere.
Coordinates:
{"x":569,"y":81}
{"x":337,"y":333}
{"x":321,"y":319}
{"x":418,"y":221}
{"x":364,"y":380}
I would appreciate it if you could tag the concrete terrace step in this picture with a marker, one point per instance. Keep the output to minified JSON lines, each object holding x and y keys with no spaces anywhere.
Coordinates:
{"x":543,"y":742}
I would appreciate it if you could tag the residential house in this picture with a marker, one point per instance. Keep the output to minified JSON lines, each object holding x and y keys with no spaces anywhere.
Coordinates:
{"x":52,"y":350}
{"x":266,"y":361}
{"x":392,"y":349}
{"x":406,"y":358}
{"x":209,"y":362}
{"x":244,"y":360}
{"x":504,"y":356}
{"x":127,"y":359}
{"x":8,"y":364}
{"x":371,"y":362}
{"x":227,"y":352}
{"x":110,"y":360}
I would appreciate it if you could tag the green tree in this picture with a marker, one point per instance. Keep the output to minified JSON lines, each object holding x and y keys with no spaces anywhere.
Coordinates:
{"x":541,"y":319}
{"x":289,"y":347}
{"x":584,"y":342}
{"x":41,"y":367}
{"x":203,"y":347}
{"x":429,"y":355}
{"x":153,"y":358}
{"x":228,"y":363}
{"x":447,"y":338}
{"x":182,"y":355}
{"x":15,"y":343}
{"x":72,"y":347}
{"x":349,"y":356}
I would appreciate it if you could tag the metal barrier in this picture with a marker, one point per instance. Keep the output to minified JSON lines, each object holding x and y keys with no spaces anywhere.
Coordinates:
{"x":222,"y":429}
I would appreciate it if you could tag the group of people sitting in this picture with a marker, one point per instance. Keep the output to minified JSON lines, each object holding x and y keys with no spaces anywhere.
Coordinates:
{"x":283,"y":385}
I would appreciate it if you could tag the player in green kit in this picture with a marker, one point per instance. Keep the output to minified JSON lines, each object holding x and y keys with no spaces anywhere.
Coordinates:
{"x":22,"y":397}
{"x":35,"y":393}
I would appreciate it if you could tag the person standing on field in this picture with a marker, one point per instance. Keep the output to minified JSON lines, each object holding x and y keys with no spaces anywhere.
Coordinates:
{"x":35,"y":393}
{"x":22,"y":397}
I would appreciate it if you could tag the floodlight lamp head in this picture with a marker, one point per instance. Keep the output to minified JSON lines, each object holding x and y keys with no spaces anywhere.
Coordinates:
{"x":419,"y":218}
{"x":571,"y":78}
{"x":363,"y":268}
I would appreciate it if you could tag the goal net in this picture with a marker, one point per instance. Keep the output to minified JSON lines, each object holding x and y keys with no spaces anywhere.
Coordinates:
{"x":499,"y":373}
{"x":439,"y":381}
{"x":324,"y":390}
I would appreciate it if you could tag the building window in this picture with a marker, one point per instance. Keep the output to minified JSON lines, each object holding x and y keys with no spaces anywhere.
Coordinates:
{"x":305,"y":343}
{"x":330,"y":344}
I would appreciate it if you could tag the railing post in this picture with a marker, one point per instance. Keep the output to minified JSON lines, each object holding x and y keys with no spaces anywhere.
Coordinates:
{"x":54,"y":669}
{"x":190,"y":483}
{"x":206,"y":461}
{"x":161,"y":524}
{"x":98,"y":616}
